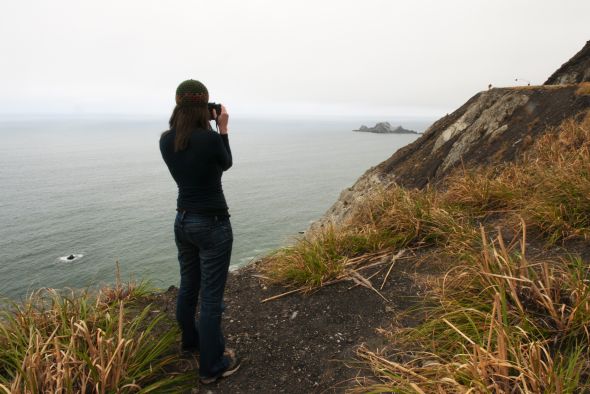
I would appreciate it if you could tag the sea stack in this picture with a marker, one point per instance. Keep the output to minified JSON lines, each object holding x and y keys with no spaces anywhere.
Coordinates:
{"x":385,"y":128}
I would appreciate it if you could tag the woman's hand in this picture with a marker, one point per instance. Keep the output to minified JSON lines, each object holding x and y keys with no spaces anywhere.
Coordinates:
{"x":222,"y":120}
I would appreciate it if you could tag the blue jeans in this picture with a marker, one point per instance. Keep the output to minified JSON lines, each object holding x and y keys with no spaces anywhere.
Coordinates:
{"x":204,"y":249}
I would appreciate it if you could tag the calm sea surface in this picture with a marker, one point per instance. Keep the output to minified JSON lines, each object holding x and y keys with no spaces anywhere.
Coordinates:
{"x":99,"y":189}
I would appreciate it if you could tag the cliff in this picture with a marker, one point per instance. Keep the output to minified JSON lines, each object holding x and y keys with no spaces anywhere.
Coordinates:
{"x":575,"y":70}
{"x":492,"y":127}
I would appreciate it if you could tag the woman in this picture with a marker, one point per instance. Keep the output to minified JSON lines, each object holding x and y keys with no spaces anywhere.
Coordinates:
{"x":196,"y":157}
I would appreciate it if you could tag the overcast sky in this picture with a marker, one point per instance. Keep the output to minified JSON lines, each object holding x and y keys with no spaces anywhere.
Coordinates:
{"x":278,"y":58}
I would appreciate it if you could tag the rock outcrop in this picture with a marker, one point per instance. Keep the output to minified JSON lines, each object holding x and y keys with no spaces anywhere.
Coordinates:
{"x":575,"y":70}
{"x":385,"y":128}
{"x":493,"y":126}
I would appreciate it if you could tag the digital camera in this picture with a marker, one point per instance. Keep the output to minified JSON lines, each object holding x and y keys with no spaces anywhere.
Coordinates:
{"x":214,"y":106}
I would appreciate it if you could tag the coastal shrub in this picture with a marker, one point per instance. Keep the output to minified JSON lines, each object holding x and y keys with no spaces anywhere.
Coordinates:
{"x":71,"y":342}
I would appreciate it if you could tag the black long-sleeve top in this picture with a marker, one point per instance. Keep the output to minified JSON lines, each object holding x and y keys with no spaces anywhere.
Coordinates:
{"x":197,"y":170}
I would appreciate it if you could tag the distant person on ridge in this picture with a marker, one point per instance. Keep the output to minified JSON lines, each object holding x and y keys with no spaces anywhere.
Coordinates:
{"x":196,"y":157}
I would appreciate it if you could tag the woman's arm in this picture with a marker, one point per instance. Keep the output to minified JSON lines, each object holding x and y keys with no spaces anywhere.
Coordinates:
{"x":225,"y":158}
{"x":225,"y":151}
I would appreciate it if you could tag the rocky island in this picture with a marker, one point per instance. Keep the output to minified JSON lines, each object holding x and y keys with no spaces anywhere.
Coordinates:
{"x":385,"y":128}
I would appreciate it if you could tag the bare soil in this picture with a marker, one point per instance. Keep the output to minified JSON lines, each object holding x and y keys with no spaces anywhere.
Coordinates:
{"x":302,"y":343}
{"x":306,"y":343}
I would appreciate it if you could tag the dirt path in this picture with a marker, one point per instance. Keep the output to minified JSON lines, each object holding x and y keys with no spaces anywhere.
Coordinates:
{"x":302,"y":343}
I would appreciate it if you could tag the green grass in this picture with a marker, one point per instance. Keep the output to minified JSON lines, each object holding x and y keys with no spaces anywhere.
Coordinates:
{"x":67,"y":341}
{"x":549,"y":189}
{"x":498,"y":321}
{"x":390,"y":220}
{"x":499,"y":324}
{"x":312,"y":262}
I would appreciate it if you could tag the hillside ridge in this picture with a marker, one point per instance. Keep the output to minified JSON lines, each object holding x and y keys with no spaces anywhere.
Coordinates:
{"x":492,"y":127}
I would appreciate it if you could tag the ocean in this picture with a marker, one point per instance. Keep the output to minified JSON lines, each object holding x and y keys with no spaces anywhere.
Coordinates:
{"x":99,"y":190}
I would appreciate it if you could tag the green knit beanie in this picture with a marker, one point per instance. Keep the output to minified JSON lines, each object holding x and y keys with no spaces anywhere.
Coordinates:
{"x":192,"y":93}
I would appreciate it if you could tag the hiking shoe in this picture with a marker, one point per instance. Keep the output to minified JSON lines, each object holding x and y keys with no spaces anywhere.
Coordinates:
{"x":234,"y":365}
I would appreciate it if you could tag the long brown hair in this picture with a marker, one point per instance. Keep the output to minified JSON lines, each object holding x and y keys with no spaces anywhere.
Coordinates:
{"x":185,"y":119}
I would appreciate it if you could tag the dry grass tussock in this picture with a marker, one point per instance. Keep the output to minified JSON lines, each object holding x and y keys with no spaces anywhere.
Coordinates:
{"x":71,"y":342}
{"x":390,"y":221}
{"x":503,"y":324}
{"x":500,"y":321}
{"x":549,"y":188}
{"x":584,"y":89}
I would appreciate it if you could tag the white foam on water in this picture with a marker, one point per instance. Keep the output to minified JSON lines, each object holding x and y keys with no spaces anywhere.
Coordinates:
{"x":66,"y":259}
